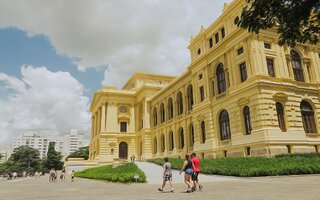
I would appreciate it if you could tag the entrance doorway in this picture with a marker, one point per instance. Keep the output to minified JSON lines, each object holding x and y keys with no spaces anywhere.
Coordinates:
{"x":123,"y":150}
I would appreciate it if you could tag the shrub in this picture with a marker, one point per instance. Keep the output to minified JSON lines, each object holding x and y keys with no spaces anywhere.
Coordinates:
{"x":123,"y":173}
{"x":290,"y":164}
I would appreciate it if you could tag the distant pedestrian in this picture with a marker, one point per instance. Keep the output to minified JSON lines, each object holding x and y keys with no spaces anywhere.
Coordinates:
{"x":187,"y":168}
{"x":196,"y":171}
{"x":167,"y":175}
{"x":24,"y":174}
{"x":51,"y":175}
{"x":63,"y":173}
{"x":14,"y":175}
{"x":72,"y":176}
{"x":133,"y":158}
{"x":55,"y":175}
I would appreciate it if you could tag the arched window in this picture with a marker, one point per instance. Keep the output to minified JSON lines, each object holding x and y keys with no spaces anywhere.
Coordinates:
{"x":155,"y":145}
{"x":221,"y":79}
{"x":163,"y":143}
{"x":225,"y":132}
{"x":170,"y":108}
{"x":181,"y":138}
{"x":190,"y":97}
{"x":203,"y":132}
{"x":171,"y":141}
{"x":296,"y":66}
{"x":280,"y":115}
{"x":155,"y":117}
{"x":191,"y":131}
{"x":180,"y":103}
{"x":162,"y":113}
{"x":247,"y":120}
{"x":307,"y":114}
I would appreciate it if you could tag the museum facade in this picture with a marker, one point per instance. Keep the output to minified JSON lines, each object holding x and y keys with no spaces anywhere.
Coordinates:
{"x":242,"y":95}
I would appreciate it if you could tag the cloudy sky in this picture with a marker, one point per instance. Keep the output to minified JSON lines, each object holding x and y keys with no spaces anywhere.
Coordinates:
{"x":55,"y":54}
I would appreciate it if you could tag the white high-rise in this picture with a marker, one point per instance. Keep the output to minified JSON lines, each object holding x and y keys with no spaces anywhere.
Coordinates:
{"x":40,"y":140}
{"x":72,"y":142}
{"x":5,"y":153}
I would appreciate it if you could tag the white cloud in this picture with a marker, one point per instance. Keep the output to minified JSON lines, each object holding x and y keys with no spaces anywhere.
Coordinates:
{"x":42,"y":100}
{"x":126,"y":35}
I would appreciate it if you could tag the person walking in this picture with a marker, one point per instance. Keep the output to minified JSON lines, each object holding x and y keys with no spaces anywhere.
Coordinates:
{"x":196,"y":170}
{"x":167,"y":175}
{"x":51,"y":175}
{"x":72,"y":176}
{"x":63,"y":173}
{"x":187,"y":168}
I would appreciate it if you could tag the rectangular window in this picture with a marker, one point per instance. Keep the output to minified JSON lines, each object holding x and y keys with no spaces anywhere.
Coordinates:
{"x":211,"y":42}
{"x":267,"y":46}
{"x":217,"y":37}
{"x":270,"y":67}
{"x":223,"y":33}
{"x":240,"y":50}
{"x":289,"y":148}
{"x":213,"y":93}
{"x":243,"y":71}
{"x":201,"y":93}
{"x":123,"y":126}
{"x":248,"y":151}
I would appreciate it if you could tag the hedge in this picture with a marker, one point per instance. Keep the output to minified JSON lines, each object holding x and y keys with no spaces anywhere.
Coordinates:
{"x":123,"y":173}
{"x":289,"y":164}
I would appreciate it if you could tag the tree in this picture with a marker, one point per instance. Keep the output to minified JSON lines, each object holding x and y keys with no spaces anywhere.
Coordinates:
{"x":24,"y":159}
{"x":82,"y":152}
{"x":53,"y":159}
{"x":297,"y":21}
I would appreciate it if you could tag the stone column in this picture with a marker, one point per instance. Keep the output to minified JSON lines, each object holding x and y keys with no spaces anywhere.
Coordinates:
{"x":103,"y":118}
{"x":92,"y":127}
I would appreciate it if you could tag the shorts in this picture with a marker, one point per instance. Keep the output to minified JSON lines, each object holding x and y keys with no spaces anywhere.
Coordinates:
{"x":167,"y":177}
{"x":194,"y":176}
{"x":188,"y":171}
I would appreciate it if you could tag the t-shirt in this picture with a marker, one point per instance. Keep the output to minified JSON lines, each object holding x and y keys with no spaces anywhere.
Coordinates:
{"x":167,"y":167}
{"x":196,"y":163}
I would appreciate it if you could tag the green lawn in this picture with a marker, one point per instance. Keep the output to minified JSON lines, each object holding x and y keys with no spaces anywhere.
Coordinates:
{"x":291,"y":164}
{"x":123,"y":173}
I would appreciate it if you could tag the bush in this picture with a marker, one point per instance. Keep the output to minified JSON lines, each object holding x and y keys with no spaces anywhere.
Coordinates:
{"x":290,"y":164}
{"x":123,"y":173}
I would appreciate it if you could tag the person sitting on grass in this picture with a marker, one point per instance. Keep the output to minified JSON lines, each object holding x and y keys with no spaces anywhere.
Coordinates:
{"x":167,"y":175}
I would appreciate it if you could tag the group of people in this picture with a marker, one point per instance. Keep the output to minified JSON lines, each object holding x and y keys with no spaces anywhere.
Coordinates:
{"x":14,"y":175}
{"x":191,"y":169}
{"x":53,"y":175}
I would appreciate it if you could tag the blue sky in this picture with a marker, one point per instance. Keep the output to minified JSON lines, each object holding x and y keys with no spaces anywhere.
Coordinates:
{"x":17,"y":49}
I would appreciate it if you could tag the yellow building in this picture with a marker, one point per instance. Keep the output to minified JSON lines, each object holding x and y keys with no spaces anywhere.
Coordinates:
{"x":242,"y":95}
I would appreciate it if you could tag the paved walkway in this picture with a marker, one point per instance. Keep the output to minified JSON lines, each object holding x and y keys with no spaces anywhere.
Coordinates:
{"x":154,"y":174}
{"x":264,"y":188}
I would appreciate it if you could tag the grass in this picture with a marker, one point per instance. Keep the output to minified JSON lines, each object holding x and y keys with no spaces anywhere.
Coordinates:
{"x":123,"y":173}
{"x":291,"y":164}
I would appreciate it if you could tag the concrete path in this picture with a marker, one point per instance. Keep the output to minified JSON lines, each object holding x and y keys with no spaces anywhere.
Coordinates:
{"x":154,"y":174}
{"x":263,"y":188}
